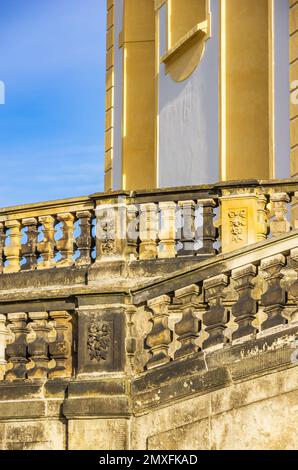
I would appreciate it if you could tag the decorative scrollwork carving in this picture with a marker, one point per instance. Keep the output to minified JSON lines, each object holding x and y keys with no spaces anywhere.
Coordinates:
{"x":108,"y":244}
{"x":238,"y":222}
{"x":99,"y":340}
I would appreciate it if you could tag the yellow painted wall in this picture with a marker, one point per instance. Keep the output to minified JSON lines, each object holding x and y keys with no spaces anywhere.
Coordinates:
{"x":109,"y":127}
{"x":184,"y":15}
{"x":246,"y":79}
{"x":294,"y":84}
{"x":138,"y":149}
{"x":246,"y":84}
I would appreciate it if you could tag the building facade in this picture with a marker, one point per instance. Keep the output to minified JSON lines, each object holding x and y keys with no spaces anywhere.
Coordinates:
{"x":162,"y":313}
{"x":188,"y":83}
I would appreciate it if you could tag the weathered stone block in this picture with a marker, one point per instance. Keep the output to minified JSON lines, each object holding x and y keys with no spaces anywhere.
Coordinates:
{"x":35,"y":435}
{"x":106,"y":406}
{"x":265,"y":425}
{"x":22,"y":409}
{"x":190,"y":436}
{"x":101,"y":340}
{"x":98,"y":434}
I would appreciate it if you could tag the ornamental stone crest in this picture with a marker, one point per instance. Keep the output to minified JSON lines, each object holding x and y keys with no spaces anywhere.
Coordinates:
{"x":99,"y":340}
{"x":108,"y":244}
{"x":238,"y":223}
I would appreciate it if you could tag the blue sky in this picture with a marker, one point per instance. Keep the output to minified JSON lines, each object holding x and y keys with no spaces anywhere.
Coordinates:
{"x":52,"y":61}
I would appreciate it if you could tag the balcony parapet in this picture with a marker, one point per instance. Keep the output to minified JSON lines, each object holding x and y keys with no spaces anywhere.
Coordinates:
{"x":184,"y":222}
{"x":200,"y":307}
{"x":209,"y":328}
{"x":222,"y":305}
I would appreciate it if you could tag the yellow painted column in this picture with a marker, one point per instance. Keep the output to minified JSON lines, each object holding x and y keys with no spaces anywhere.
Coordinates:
{"x":247,"y":111}
{"x":293,"y":29}
{"x":139,"y":115}
{"x":184,"y":15}
{"x":109,"y":96}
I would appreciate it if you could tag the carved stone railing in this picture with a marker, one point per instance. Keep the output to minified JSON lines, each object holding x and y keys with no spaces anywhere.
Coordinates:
{"x":47,"y":235}
{"x":227,"y":300}
{"x":197,"y":222}
{"x":237,"y":305}
{"x":36,"y":345}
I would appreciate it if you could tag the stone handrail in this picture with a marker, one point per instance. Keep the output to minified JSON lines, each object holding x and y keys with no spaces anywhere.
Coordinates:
{"x":167,"y":223}
{"x":229,"y":300}
{"x":248,"y":297}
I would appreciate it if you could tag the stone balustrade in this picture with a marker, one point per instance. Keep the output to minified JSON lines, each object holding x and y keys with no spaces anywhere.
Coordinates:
{"x":184,"y":222}
{"x":122,"y":308}
{"x":237,"y":306}
{"x":44,"y":236}
{"x":80,"y":346}
{"x":36,"y":345}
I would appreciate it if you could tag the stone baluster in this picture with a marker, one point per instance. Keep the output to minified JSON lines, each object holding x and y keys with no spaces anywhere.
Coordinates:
{"x":132,"y":232}
{"x":131,"y":343}
{"x":279,"y":224}
{"x":46,"y":247}
{"x":16,"y":350}
{"x":66,"y":244}
{"x":262,"y":225}
{"x":29,"y":249}
{"x":2,"y":244}
{"x":167,"y":230}
{"x":160,"y":336}
{"x":61,"y":348}
{"x":188,"y":228}
{"x":245,"y":309}
{"x":189,"y":326}
{"x":291,"y":285}
{"x":274,"y":298}
{"x":38,"y":345}
{"x":294,"y":211}
{"x":3,"y":342}
{"x":84,"y":240}
{"x":216,"y":317}
{"x":13,"y":250}
{"x":148,"y":231}
{"x":208,"y":232}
